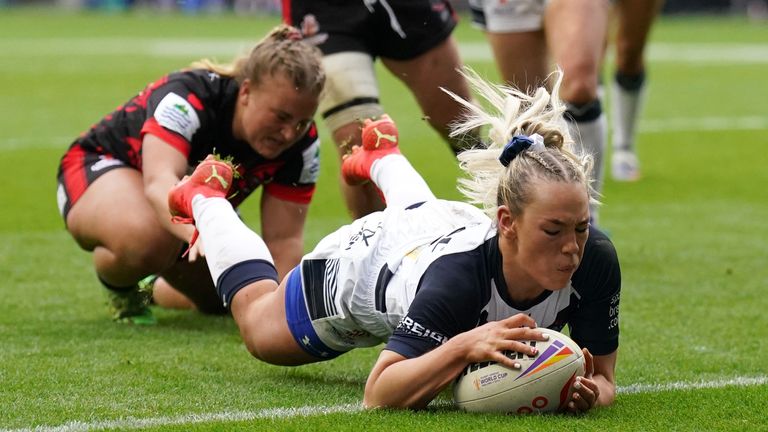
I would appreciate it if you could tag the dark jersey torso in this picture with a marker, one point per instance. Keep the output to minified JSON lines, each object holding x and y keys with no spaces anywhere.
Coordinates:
{"x":193,"y":112}
{"x":464,"y":290}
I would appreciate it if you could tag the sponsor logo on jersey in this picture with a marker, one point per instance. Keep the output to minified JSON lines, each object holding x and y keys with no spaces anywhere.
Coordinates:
{"x":104,"y":162}
{"x":363,"y":235}
{"x":311,"y":168}
{"x":408,"y":325}
{"x":177,"y":114}
{"x":310,"y":29}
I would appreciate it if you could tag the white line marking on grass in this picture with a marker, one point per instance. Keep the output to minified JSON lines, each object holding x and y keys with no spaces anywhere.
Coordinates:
{"x":731,"y":54}
{"x":657,"y":388}
{"x":715,"y":54}
{"x":308,"y":411}
{"x":703,"y":124}
{"x":646,"y":126}
{"x":227,"y":416}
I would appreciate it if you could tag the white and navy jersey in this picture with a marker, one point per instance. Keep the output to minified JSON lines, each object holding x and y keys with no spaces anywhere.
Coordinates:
{"x":466,"y":289}
{"x":193,"y":110}
{"x":417,"y":277}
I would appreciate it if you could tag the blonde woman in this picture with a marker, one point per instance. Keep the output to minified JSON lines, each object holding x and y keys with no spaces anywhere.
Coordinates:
{"x":113,"y":181}
{"x":442,"y":283}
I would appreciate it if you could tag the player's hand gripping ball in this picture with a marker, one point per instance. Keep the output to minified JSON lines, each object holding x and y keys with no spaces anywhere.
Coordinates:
{"x":542,"y":384}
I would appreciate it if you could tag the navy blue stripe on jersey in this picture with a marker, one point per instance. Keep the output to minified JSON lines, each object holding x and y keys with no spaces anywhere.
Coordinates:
{"x":241,"y":275}
{"x":445,"y":239}
{"x":415,"y":206}
{"x":385,"y":275}
{"x":299,"y":322}
{"x":320,"y":280}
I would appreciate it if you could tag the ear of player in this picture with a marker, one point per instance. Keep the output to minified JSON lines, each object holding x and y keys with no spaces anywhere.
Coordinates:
{"x":542,"y":384}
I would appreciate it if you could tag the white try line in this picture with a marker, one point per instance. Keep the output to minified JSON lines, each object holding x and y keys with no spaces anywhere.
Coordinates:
{"x":650,"y":126}
{"x":226,"y":48}
{"x":687,"y":53}
{"x":308,"y":411}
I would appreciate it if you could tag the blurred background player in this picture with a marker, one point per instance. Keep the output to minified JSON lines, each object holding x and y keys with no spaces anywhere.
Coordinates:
{"x":412,"y":38}
{"x":441,"y":282}
{"x":634,"y":19}
{"x":113,"y":181}
{"x":527,"y":36}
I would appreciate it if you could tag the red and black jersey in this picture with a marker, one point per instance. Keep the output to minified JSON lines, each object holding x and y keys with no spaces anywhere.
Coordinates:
{"x":193,"y":111}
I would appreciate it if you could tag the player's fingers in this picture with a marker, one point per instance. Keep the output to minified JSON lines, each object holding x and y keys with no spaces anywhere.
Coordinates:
{"x":196,"y":251}
{"x":519,"y":320}
{"x":526,"y":333}
{"x":588,"y":389}
{"x":517,"y":346}
{"x":504,"y":360}
{"x":589,"y":363}
{"x":584,"y":396}
{"x":577,"y":404}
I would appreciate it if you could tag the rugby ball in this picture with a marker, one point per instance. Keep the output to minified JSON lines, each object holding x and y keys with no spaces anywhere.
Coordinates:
{"x":542,"y":384}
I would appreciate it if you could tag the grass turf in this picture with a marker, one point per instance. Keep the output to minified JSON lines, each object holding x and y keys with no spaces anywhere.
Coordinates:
{"x":691,"y":237}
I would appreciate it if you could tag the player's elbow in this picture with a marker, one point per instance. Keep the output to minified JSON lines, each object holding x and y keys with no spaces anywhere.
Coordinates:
{"x":372,"y":402}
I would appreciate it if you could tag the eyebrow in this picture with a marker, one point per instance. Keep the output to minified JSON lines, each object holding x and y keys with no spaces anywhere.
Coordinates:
{"x":559,"y":222}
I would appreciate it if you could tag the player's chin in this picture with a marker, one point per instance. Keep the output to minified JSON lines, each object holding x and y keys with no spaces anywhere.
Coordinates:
{"x":270,"y":149}
{"x":558,"y":281}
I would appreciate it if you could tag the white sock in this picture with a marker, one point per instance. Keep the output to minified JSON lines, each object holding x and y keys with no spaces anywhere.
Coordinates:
{"x":590,"y":137}
{"x":226,"y":239}
{"x":401,"y":185}
{"x":625,"y":109}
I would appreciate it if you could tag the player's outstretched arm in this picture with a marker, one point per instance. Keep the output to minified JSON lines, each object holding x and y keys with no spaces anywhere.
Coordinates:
{"x":399,"y":382}
{"x":162,"y":168}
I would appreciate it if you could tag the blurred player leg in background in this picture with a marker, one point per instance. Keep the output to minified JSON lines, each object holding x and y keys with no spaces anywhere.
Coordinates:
{"x":634,"y":19}
{"x":526,"y":35}
{"x":413,"y":39}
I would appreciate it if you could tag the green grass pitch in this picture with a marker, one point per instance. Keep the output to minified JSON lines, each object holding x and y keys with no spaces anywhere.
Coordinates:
{"x":692,"y":238}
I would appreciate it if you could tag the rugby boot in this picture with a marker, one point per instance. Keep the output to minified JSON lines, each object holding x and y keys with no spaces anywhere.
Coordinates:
{"x":132,"y":306}
{"x":624,"y":166}
{"x":212,"y":178}
{"x":379,"y":138}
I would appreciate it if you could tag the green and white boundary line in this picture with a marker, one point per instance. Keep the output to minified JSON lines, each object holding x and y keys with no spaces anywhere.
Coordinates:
{"x":309,"y":411}
{"x":649,"y":126}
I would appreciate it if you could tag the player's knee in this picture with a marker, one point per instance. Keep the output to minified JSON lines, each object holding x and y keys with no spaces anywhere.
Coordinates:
{"x":262,"y":345}
{"x":351,"y":91}
{"x":580,"y":89}
{"x":149,"y":255}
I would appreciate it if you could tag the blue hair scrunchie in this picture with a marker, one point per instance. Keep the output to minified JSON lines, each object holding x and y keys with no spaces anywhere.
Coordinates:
{"x":515,"y":146}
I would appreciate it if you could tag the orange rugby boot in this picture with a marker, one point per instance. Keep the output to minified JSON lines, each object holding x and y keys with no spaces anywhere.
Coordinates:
{"x":212,"y":178}
{"x":379,"y":138}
